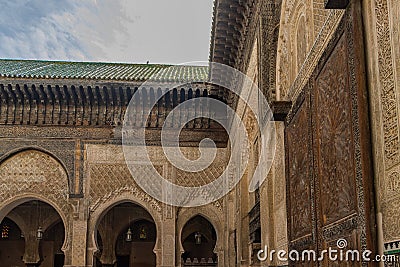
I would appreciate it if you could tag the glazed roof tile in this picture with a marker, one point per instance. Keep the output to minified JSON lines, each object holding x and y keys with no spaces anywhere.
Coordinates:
{"x":10,"y":68}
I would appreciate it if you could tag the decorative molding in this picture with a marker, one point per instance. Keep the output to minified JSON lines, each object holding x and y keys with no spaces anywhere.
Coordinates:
{"x":389,"y":98}
{"x":134,"y":190}
{"x":63,"y":105}
{"x":337,"y":230}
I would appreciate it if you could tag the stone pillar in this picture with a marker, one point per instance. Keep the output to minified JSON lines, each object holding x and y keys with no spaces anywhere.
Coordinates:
{"x":167,"y":234}
{"x":381,"y":22}
{"x":108,"y":257}
{"x":221,"y":259}
{"x":265,"y":196}
{"x":275,"y":202}
{"x":31,"y":256}
{"x":230,"y":256}
{"x":79,"y":226}
{"x":166,"y":239}
{"x":79,"y":230}
{"x":179,"y":259}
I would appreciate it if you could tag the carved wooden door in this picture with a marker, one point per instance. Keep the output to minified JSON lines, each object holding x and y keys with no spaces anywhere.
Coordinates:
{"x":329,"y":178}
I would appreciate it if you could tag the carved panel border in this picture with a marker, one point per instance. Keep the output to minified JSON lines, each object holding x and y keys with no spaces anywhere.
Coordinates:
{"x":360,"y":222}
{"x":389,"y":98}
{"x":350,"y":28}
{"x":300,"y":114}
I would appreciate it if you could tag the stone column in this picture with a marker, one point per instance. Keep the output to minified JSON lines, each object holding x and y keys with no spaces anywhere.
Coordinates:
{"x":79,"y":226}
{"x":79,"y":230}
{"x":31,"y":256}
{"x":166,"y":250}
{"x":168,"y":238}
{"x":108,"y":257}
{"x":381,"y":22}
{"x":221,"y":257}
{"x":229,"y":236}
{"x":28,"y":227}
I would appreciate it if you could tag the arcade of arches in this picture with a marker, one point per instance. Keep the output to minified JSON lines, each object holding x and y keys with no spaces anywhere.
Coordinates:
{"x":330,"y":70}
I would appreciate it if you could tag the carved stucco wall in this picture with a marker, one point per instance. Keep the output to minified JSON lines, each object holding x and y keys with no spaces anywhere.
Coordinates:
{"x":273,"y":203}
{"x":30,"y":175}
{"x":246,"y":199}
{"x":110,"y":182}
{"x":272,"y":191}
{"x":383,"y":60}
{"x":304,"y":31}
{"x":33,"y":174}
{"x":28,"y":172}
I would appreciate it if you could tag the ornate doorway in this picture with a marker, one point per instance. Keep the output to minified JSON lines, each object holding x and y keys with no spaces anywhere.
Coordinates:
{"x":328,"y":158}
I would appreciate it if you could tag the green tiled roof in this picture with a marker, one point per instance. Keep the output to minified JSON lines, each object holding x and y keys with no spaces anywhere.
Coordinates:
{"x":100,"y":71}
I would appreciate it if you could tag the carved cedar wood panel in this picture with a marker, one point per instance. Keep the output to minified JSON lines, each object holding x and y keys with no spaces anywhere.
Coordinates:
{"x":300,"y":188}
{"x":334,"y":138}
{"x":329,"y":131}
{"x":299,"y":180}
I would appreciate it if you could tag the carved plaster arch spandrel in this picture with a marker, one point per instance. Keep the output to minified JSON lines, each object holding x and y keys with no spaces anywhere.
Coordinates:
{"x":98,"y":213}
{"x":289,"y":87}
{"x":109,"y":181}
{"x":37,"y":173}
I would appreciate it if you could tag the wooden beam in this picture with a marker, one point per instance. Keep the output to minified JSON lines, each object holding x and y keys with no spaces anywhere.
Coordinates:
{"x":280,"y":109}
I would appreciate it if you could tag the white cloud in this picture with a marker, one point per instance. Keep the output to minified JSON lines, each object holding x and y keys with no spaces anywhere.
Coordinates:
{"x":106,"y":30}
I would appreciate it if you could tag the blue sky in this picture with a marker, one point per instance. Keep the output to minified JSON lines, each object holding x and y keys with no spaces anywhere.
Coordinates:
{"x":159,"y":31}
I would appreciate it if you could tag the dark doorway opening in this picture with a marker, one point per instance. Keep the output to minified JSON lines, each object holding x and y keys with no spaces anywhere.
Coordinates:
{"x":199,"y":239}
{"x":59,"y":260}
{"x":123,"y":261}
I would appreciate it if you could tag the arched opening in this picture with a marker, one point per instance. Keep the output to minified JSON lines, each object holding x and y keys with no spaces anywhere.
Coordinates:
{"x":32,"y":234}
{"x":198,"y":240}
{"x":126,"y":236}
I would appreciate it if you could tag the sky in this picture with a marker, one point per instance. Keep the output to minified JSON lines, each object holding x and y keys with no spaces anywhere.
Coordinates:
{"x":133,"y":31}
